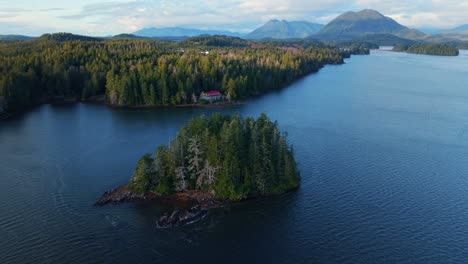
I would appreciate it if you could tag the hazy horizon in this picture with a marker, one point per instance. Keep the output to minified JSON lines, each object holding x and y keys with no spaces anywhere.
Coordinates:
{"x":90,"y":17}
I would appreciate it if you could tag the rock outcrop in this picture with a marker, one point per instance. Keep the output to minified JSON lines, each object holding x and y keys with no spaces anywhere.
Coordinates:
{"x":119,"y":195}
{"x":180,"y":217}
{"x":189,"y":206}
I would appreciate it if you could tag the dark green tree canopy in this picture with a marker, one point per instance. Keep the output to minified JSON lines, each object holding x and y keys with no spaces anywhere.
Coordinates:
{"x":228,"y":156}
{"x":428,"y":49}
{"x":148,"y":72}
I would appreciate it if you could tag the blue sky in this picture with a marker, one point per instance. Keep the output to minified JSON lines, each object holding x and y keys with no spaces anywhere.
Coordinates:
{"x":98,"y":18}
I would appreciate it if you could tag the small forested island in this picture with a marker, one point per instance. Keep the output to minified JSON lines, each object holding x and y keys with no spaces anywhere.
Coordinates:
{"x":133,"y":71}
{"x":428,"y":49}
{"x":212,"y":161}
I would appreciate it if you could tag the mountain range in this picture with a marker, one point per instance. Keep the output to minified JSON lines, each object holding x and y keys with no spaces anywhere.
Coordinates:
{"x":154,"y":32}
{"x":14,"y":37}
{"x":460,"y":32}
{"x":273,"y":29}
{"x":350,"y":25}
{"x":461,"y":28}
{"x":282,"y":29}
{"x":366,"y":25}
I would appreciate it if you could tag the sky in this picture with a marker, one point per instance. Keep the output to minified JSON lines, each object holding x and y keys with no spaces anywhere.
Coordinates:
{"x":102,"y":18}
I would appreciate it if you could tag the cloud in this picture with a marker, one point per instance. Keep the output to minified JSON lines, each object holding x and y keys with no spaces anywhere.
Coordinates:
{"x":237,"y":15}
{"x":4,"y":15}
{"x":116,"y":16}
{"x":13,"y":10}
{"x":10,"y":12}
{"x":52,"y":9}
{"x":422,"y":13}
{"x":103,"y":9}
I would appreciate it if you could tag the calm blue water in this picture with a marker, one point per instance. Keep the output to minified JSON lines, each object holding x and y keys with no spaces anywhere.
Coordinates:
{"x":382,"y":144}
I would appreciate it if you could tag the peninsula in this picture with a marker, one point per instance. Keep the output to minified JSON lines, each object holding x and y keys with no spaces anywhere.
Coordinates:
{"x":130,"y":71}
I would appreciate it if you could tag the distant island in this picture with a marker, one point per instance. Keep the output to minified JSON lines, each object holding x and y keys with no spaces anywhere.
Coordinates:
{"x":428,"y":49}
{"x":129,"y":71}
{"x":212,"y":161}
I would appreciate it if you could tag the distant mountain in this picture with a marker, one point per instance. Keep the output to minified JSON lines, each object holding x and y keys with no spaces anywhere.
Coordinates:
{"x":460,"y":33}
{"x":432,"y":31}
{"x":282,"y":29}
{"x":15,"y":37}
{"x":357,"y":24}
{"x":435,"y":31}
{"x":461,"y":28}
{"x":180,"y":32}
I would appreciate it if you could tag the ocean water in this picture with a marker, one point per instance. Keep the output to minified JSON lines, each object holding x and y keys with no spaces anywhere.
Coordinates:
{"x":381,"y":142}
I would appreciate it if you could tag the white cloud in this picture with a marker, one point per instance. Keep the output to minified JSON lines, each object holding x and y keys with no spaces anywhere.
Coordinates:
{"x":95,"y":17}
{"x":422,"y":13}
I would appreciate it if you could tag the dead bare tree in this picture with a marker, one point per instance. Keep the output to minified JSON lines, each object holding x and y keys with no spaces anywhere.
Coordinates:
{"x":195,"y":159}
{"x":181,"y":184}
{"x":208,"y":175}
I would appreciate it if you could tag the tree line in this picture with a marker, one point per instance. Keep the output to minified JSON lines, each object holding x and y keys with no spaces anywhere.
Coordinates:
{"x":150,"y":72}
{"x":228,"y":156}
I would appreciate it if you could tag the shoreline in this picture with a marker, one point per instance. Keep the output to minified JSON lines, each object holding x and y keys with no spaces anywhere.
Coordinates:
{"x":188,"y":207}
{"x":7,"y":115}
{"x":180,"y":200}
{"x":101,"y":99}
{"x":219,"y":104}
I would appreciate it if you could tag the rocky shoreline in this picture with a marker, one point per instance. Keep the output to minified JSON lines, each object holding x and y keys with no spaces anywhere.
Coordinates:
{"x":100,"y":100}
{"x":119,"y":195}
{"x":189,"y":206}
